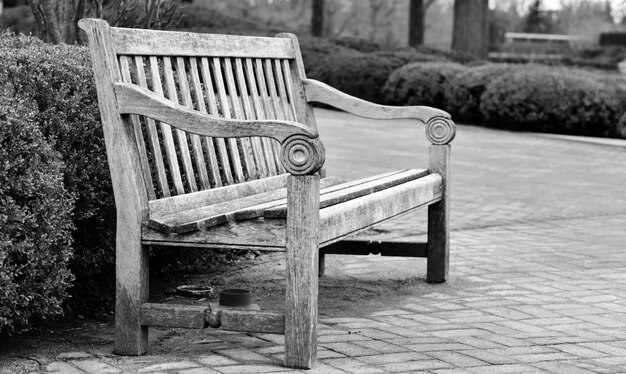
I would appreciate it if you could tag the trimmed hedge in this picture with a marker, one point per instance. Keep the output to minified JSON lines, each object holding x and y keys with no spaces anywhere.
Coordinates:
{"x":517,"y":97}
{"x":58,"y":80}
{"x":545,"y":100}
{"x":421,"y":84}
{"x":35,"y":222}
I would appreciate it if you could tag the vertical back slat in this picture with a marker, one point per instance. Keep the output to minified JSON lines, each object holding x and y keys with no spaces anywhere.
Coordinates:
{"x":196,"y":145}
{"x":255,"y":142}
{"x":183,"y":146}
{"x":244,"y":143}
{"x":232,"y":143}
{"x":222,"y":152}
{"x":166,"y":131}
{"x":214,"y":170}
{"x":141,"y":144}
{"x":289,"y":86}
{"x":284,"y":100}
{"x":270,"y":111}
{"x":278,"y":109}
{"x":153,"y":135}
{"x":260,"y":114}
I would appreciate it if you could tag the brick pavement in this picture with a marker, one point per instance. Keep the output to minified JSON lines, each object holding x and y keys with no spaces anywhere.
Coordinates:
{"x":538,"y":269}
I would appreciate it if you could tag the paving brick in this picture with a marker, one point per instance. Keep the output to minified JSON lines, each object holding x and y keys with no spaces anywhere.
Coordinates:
{"x":178,"y":365}
{"x":62,"y":368}
{"x":215,"y":360}
{"x":412,"y":366}
{"x":96,"y":367}
{"x":73,"y":355}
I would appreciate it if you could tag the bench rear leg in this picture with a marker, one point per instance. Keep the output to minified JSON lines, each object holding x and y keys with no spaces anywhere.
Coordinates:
{"x":131,"y":273}
{"x":302,"y":261}
{"x":438,"y":218}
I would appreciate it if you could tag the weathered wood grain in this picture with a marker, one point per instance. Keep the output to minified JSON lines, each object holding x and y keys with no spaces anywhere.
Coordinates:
{"x":302,"y":238}
{"x":173,"y":315}
{"x":340,"y":195}
{"x":251,"y":321}
{"x":438,"y":216}
{"x":342,"y":219}
{"x":166,"y":131}
{"x":153,"y":135}
{"x":319,"y":92}
{"x":131,"y":201}
{"x":133,"y":99}
{"x":171,"y":43}
{"x":215,"y":214}
{"x":189,"y":201}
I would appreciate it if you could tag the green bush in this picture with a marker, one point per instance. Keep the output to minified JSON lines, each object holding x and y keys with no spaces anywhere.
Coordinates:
{"x":360,"y":74}
{"x":421,"y":83}
{"x":59,"y":81}
{"x":548,"y":100}
{"x":462,"y":94}
{"x":35,"y":222}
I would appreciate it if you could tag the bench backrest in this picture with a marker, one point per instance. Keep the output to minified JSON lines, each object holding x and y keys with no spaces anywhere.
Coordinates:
{"x":229,"y":76}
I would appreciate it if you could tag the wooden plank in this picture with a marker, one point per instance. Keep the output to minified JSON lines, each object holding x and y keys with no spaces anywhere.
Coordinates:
{"x":131,"y":258}
{"x":153,"y":135}
{"x":289,"y":86}
{"x":270,"y":112}
{"x":172,"y":315}
{"x":254,"y":234}
{"x":319,"y":92}
{"x":214,"y":168}
{"x":255,"y":142}
{"x":176,"y":204}
{"x":141,"y":144}
{"x":301,"y":276}
{"x":172,"y":43}
{"x":326,"y":188}
{"x":166,"y":131}
{"x":183,"y":146}
{"x":215,"y":214}
{"x":366,"y":247}
{"x":222,"y":152}
{"x":282,"y":92}
{"x":342,"y":219}
{"x":266,"y":145}
{"x":244,"y":143}
{"x":196,"y":145}
{"x":252,"y":321}
{"x":233,"y":149}
{"x":438,"y":216}
{"x":340,"y":195}
{"x":278,"y":108}
{"x":133,"y":99}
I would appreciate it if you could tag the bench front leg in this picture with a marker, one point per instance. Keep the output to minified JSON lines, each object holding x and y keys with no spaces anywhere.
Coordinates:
{"x":302,"y":157}
{"x":440,"y":131}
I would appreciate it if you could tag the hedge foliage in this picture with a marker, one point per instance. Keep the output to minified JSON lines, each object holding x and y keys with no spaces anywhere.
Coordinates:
{"x":516,"y":97}
{"x":35,"y":224}
{"x":58,"y":81}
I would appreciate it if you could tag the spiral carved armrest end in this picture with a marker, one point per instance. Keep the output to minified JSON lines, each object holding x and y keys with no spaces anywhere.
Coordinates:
{"x":301,"y":155}
{"x":440,"y":130}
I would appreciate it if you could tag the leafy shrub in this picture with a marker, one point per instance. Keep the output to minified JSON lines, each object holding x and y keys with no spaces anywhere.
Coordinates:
{"x":358,"y":44}
{"x":462,"y":94}
{"x":35,"y":222}
{"x":421,"y":83}
{"x":359,"y":74}
{"x":59,"y":81}
{"x":558,"y":101}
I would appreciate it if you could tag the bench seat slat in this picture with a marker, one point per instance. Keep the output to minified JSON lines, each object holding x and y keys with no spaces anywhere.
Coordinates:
{"x":272,"y":204}
{"x":336,"y":222}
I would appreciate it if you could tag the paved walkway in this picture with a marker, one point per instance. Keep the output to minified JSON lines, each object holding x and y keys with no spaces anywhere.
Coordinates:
{"x":538,"y":269}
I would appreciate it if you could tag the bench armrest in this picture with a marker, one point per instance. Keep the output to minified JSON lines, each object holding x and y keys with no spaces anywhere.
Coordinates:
{"x":440,"y":129}
{"x":301,"y":150}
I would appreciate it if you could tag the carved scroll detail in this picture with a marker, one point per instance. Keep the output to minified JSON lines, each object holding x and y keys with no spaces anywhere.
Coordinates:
{"x":440,"y":130}
{"x":302,"y":155}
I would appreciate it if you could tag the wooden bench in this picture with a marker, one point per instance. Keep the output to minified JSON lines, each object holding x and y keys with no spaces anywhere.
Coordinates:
{"x":212,"y":143}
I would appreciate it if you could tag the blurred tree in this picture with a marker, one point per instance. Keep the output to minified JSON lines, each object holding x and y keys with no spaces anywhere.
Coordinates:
{"x":470,"y":27}
{"x":417,"y":13}
{"x":539,"y":20}
{"x":317,"y":18}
